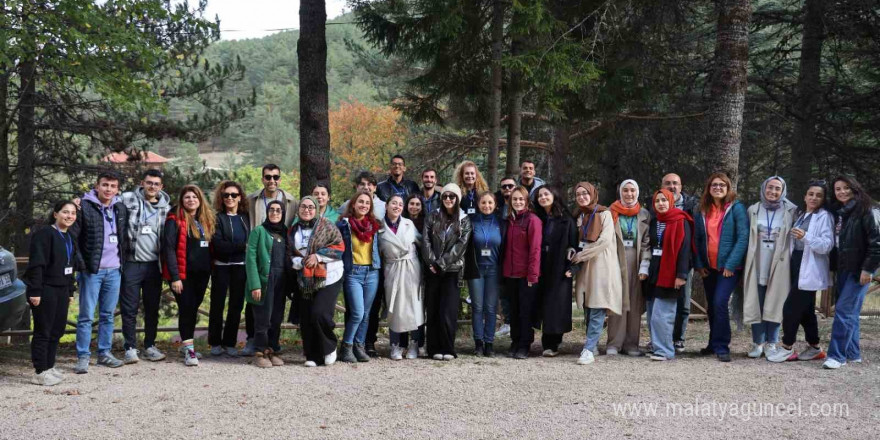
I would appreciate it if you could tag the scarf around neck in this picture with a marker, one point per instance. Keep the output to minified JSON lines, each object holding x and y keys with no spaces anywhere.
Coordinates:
{"x":590,"y":230}
{"x":274,"y":228}
{"x":364,"y":229}
{"x":673,"y":239}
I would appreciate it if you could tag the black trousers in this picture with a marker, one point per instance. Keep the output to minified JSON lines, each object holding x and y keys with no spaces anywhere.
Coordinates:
{"x":316,"y":323}
{"x":268,"y":317}
{"x":551,"y":341}
{"x":376,"y":310}
{"x":523,"y":310}
{"x":188,"y":302}
{"x":442,"y":296}
{"x":226,"y":279}
{"x":140,"y":279}
{"x":50,"y":318}
{"x":799,"y":308}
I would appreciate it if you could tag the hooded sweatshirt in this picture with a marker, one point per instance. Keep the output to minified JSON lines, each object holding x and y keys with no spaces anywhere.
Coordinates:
{"x":110,"y":253}
{"x":145,"y":223}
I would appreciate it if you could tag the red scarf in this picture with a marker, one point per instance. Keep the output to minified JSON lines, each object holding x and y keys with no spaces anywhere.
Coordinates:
{"x":617,"y":209}
{"x":364,"y":229}
{"x":673,"y":239}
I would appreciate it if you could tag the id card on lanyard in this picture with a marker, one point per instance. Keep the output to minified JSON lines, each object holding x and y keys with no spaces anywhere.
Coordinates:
{"x":586,"y":227}
{"x":486,"y":251}
{"x":68,"y":246}
{"x":202,"y":242}
{"x":146,"y":227}
{"x":109,"y":218}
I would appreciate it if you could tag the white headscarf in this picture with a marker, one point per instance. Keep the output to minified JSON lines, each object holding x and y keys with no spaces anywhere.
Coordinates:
{"x":620,"y":193}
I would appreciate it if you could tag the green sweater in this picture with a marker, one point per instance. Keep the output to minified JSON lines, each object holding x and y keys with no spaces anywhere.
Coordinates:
{"x":257,"y":261}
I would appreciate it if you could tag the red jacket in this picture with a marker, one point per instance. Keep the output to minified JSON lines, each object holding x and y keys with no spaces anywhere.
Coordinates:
{"x":522,"y":253}
{"x":181,"y":248}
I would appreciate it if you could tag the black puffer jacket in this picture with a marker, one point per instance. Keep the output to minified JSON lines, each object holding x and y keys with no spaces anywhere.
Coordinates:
{"x":858,"y":246}
{"x":445,"y":248}
{"x":88,"y":232}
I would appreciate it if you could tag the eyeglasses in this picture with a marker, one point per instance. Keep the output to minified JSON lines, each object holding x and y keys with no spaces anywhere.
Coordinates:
{"x":275,"y":177}
{"x":449,"y":196}
{"x":153,"y":184}
{"x":508,"y":186}
{"x":231,"y":195}
{"x":582,"y":195}
{"x":397,"y":164}
{"x":307,"y":208}
{"x":274,"y":210}
{"x":718,"y":185}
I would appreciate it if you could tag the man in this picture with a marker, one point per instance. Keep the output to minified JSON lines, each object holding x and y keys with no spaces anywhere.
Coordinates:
{"x":395,"y":183}
{"x":147,"y":208}
{"x":527,"y":177}
{"x":259,"y":200}
{"x":366,"y":181}
{"x":430,"y":197}
{"x":99,"y":230}
{"x":502,"y":197}
{"x":672,"y":182}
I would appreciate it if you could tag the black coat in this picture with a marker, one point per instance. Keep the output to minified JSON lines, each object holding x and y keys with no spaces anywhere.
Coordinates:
{"x":223,"y":248}
{"x":47,"y":261}
{"x":386,"y":189}
{"x":88,"y":232}
{"x":858,"y":246}
{"x":682,"y":263}
{"x":558,"y":238}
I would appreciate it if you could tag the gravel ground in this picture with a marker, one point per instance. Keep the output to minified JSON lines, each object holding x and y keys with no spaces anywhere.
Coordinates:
{"x":467,"y":398}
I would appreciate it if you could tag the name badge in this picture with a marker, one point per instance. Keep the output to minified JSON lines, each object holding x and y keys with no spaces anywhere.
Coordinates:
{"x":768,"y":244}
{"x":486,"y":252}
{"x":657,"y":252}
{"x":582,"y":244}
{"x":203,"y":243}
{"x":628,"y":243}
{"x":113,"y":239}
{"x":68,"y":270}
{"x":471,"y":211}
{"x":147,"y":229}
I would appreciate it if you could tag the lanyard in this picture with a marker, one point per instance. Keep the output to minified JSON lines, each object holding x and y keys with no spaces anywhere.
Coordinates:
{"x":585,"y":228}
{"x":483,"y":230}
{"x":201,"y":231}
{"x":803,"y":218}
{"x":629,"y":227}
{"x":68,"y":243}
{"x":108,"y":216}
{"x":770,"y":223}
{"x":144,"y":215}
{"x":470,"y":196}
{"x":399,"y":190}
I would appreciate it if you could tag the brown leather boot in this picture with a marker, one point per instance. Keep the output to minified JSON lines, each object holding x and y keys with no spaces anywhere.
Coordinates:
{"x":274,"y":358}
{"x":261,"y":359}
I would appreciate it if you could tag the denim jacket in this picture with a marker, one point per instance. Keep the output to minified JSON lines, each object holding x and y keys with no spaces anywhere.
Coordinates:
{"x":345,"y":229}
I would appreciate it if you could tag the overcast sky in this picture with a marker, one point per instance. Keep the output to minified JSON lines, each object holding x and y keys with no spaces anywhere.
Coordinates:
{"x":240,"y":19}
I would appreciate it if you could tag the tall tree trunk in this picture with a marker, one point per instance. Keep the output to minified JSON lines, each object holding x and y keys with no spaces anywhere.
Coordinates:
{"x":495,"y":130}
{"x":559,"y":161}
{"x":5,"y":177}
{"x":314,"y":124}
{"x":804,"y":141}
{"x":729,"y":83}
{"x":514,"y":108}
{"x":24,"y":189}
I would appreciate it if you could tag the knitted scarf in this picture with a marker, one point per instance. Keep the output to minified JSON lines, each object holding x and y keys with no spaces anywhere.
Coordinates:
{"x":365,"y":228}
{"x":326,"y":241}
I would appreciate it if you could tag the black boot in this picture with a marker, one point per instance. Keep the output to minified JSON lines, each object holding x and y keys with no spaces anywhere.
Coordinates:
{"x":488,"y":351}
{"x":371,"y":349}
{"x":360,"y":353}
{"x":346,"y":353}
{"x":478,"y":348}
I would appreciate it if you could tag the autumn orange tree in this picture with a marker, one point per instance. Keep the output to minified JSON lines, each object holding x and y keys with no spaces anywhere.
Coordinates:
{"x":362,"y":138}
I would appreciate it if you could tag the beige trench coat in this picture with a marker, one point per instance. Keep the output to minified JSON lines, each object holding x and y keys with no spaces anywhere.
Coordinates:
{"x":643,"y":221}
{"x":599,"y":283}
{"x":403,"y":276}
{"x":779,"y":282}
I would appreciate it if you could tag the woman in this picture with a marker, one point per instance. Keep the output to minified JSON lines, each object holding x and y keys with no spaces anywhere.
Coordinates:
{"x":470,"y":181}
{"x":631,"y":221}
{"x":857,"y":235}
{"x":767,"y":279}
{"x":399,"y":247}
{"x":488,"y":242}
{"x":189,"y":228}
{"x":444,"y":244}
{"x":812,"y":239}
{"x":521,"y":270}
{"x":558,"y":244}
{"x":415,"y":212}
{"x":316,"y":248}
{"x":49,"y":278}
{"x":321,"y":193}
{"x":671,"y":243}
{"x":362,"y":265}
{"x":229,"y":245}
{"x":266,"y":265}
{"x":599,"y":285}
{"x":722,"y":239}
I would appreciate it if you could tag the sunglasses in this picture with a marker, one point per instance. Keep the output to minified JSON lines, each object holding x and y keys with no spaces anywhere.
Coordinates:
{"x":231,"y":195}
{"x":508,"y":186}
{"x":449,"y":197}
{"x":275,"y":177}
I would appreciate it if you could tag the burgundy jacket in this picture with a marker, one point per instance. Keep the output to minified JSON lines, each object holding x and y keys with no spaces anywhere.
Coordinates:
{"x":522,"y":254}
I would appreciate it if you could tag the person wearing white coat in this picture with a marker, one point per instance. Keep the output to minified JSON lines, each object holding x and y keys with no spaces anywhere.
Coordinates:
{"x":812,"y":241}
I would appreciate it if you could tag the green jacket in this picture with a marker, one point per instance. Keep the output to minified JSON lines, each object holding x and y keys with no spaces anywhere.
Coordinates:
{"x":257,"y":261}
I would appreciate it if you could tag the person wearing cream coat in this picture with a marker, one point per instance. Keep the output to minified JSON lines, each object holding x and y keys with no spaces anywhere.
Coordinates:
{"x":779,"y":282}
{"x":601,"y":281}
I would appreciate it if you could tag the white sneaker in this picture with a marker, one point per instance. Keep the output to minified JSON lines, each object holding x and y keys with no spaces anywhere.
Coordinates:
{"x":658,"y":357}
{"x":46,"y":379}
{"x":448,"y":357}
{"x":611,"y":351}
{"x":310,"y":364}
{"x":56,"y":372}
{"x":550,"y":353}
{"x":756,"y":351}
{"x":770,"y":349}
{"x":396,"y":352}
{"x":190,"y":359}
{"x":586,"y":357}
{"x":504,"y":330}
{"x":831,"y":364}
{"x":153,"y":354}
{"x":330,"y":359}
{"x":412,"y":351}
{"x":438,"y":357}
{"x":781,"y":354}
{"x":131,"y":356}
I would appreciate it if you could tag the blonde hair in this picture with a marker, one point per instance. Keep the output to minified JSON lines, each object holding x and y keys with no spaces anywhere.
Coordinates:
{"x":480,"y":183}
{"x":204,"y":214}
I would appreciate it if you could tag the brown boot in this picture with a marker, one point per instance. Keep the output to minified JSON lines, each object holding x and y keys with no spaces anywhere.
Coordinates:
{"x":275,"y":359}
{"x":262,"y":359}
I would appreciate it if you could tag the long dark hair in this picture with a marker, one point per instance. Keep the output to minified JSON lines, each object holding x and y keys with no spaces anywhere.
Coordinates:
{"x":57,"y":207}
{"x":864,"y":202}
{"x":419,"y":220}
{"x":557,"y":209}
{"x":706,"y":200}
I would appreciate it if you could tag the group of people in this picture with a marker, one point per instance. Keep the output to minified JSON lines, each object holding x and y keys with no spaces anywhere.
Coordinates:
{"x":409,"y":249}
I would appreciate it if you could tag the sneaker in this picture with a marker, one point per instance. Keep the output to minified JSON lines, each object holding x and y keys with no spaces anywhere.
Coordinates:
{"x":396,"y":352}
{"x":153,"y":354}
{"x":522,"y":353}
{"x":756,"y":351}
{"x":262,"y":361}
{"x":855,"y":361}
{"x":217,"y":350}
{"x":448,"y":357}
{"x":108,"y":360}
{"x":679,"y":347}
{"x":438,"y":357}
{"x":275,"y":359}
{"x":131,"y":356}
{"x":330,"y":359}
{"x":423,"y":352}
{"x":782,"y":354}
{"x":770,"y":349}
{"x":586,"y":357}
{"x":549,"y":353}
{"x":412,"y":351}
{"x":361,"y":353}
{"x":611,"y":351}
{"x":649,"y":347}
{"x":370,"y":349}
{"x":634,"y":353}
{"x":723,"y":357}
{"x":488,"y":350}
{"x":248,"y":350}
{"x":56,"y":372}
{"x":658,"y":357}
{"x":832,"y":364}
{"x":46,"y":379}
{"x":183,"y":351}
{"x":190,"y":358}
{"x":346,"y":353}
{"x":82,"y":365}
{"x":231,"y":352}
{"x":504,"y":330}
{"x":310,"y":364}
{"x":812,"y":354}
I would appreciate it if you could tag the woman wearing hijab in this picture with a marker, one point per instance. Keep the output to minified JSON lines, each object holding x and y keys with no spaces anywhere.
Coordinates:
{"x":599,"y":282}
{"x":631,"y":221}
{"x":266,"y":265}
{"x":670,"y":246}
{"x":316,"y":248}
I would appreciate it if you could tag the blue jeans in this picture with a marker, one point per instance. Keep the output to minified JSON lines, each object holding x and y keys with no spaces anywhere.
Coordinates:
{"x":683,"y":310}
{"x":484,"y":298}
{"x":102,"y":290}
{"x":718,"y":290}
{"x":844,"y":345}
{"x":765,"y":331}
{"x":360,"y":290}
{"x":662,"y":323}
{"x":595,"y":320}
